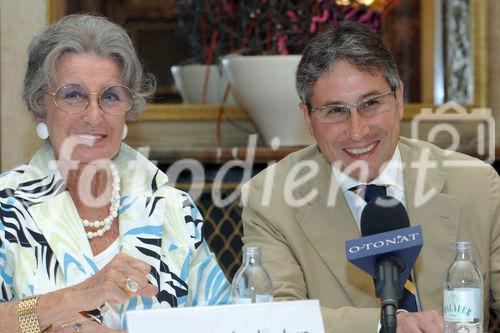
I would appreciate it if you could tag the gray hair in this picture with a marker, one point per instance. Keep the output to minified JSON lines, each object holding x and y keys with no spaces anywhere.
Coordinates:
{"x":83,"y":34}
{"x":351,"y":42}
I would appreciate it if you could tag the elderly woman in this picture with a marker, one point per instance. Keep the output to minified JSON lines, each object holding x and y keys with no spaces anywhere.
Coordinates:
{"x":89,"y":228}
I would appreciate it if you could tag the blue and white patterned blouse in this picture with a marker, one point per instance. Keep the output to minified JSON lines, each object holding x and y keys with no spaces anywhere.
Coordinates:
{"x":43,"y":245}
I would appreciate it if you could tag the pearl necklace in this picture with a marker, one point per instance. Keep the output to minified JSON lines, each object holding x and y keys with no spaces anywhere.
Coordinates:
{"x":105,"y":224}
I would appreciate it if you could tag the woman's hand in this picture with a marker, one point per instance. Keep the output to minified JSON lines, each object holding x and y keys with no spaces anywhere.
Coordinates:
{"x":108,"y":285}
{"x":63,"y":308}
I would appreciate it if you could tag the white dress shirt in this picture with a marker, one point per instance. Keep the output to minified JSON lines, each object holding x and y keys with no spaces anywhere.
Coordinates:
{"x":391,"y":177}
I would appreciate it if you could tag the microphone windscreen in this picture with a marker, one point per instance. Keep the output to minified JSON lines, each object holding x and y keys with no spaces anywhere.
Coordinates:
{"x":383,"y":214}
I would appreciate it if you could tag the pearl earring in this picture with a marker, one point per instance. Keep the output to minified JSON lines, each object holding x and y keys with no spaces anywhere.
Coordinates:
{"x":42,"y":131}
{"x":125,"y":132}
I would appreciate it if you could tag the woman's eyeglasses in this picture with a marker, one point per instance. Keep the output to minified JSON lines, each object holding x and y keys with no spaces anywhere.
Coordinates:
{"x":72,"y":98}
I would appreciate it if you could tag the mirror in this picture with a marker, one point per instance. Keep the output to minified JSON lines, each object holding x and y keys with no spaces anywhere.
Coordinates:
{"x":433,"y":30}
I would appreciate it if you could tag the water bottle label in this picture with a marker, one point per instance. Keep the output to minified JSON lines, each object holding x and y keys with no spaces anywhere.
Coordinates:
{"x":462,"y":304}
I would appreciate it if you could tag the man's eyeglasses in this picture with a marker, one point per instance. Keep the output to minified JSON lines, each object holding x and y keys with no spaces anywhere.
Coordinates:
{"x":72,"y":98}
{"x":338,"y":113}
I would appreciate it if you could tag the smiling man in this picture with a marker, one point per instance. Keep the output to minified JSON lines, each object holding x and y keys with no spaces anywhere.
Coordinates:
{"x":301,"y":210}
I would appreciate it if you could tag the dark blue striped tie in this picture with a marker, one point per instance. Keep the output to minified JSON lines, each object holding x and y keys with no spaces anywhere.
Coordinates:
{"x":370,"y":192}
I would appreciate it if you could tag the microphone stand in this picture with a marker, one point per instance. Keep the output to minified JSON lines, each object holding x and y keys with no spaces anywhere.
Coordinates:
{"x":388,"y":290}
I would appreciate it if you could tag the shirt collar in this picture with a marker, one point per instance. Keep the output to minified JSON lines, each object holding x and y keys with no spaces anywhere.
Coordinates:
{"x":392,"y":175}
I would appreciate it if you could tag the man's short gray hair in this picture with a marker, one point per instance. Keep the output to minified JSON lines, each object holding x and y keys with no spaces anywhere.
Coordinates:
{"x":83,"y":34}
{"x":350,"y":42}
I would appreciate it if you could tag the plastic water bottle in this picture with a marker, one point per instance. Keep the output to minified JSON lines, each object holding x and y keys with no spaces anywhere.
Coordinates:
{"x":251,"y":283}
{"x":463,"y":293}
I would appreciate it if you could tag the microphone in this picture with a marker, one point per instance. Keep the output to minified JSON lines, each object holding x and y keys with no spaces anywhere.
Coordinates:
{"x":387,"y":250}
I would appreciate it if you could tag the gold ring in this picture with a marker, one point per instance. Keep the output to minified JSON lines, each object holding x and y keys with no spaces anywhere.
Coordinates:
{"x":131,"y":286}
{"x":76,"y":326}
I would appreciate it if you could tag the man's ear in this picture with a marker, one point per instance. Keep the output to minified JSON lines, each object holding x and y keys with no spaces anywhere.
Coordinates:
{"x":307,"y":117}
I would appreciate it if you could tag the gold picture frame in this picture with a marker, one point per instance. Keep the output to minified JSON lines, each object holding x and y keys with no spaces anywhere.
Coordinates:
{"x":479,"y":54}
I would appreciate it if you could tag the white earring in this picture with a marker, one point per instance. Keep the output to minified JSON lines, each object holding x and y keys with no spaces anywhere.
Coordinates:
{"x":42,"y":131}
{"x":125,"y":132}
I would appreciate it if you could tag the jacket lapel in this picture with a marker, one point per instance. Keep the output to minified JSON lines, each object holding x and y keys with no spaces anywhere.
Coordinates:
{"x":327,"y":222}
{"x":437,"y":212}
{"x":57,"y":219}
{"x":61,"y":226}
{"x":141,"y":216}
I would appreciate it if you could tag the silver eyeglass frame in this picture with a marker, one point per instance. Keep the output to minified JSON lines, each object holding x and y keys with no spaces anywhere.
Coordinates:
{"x":98,"y":95}
{"x":350,"y":107}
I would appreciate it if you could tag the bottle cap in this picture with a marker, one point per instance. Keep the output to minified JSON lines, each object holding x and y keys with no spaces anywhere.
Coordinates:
{"x":251,"y":250}
{"x":462,"y":246}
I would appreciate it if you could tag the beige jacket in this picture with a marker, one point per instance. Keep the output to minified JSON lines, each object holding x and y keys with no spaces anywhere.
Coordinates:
{"x":304,"y":247}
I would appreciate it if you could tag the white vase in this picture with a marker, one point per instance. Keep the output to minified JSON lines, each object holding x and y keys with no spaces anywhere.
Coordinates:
{"x":265,"y":87}
{"x":189,"y":80}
